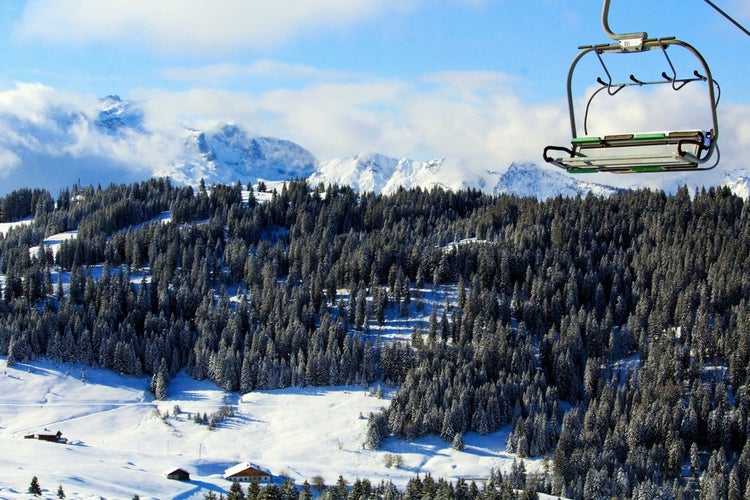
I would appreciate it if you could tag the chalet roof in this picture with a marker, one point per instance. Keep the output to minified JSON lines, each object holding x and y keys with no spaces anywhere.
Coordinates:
{"x":172,"y":470}
{"x":241,"y":467}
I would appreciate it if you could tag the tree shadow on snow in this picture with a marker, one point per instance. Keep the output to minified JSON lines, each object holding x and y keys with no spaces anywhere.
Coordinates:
{"x":491,"y":446}
{"x":200,"y":486}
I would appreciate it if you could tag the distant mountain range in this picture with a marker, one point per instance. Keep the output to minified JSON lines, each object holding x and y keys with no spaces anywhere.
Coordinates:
{"x":114,"y":143}
{"x":381,"y":174}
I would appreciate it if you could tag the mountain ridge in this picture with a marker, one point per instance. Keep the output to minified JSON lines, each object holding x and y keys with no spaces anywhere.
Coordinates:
{"x":115,"y":143}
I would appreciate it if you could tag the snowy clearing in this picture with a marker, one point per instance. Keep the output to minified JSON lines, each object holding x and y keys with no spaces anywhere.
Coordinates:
{"x":121,"y":440}
{"x":5,"y":226}
{"x":53,"y":242}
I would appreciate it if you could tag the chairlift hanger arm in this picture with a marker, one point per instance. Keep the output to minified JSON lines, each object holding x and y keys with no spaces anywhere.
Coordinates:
{"x":626,"y":41}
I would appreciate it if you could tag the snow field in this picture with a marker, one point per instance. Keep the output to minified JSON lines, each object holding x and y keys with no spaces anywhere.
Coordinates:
{"x":121,"y":440}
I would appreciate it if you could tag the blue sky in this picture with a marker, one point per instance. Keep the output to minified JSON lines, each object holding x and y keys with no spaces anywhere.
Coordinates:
{"x":479,"y":81}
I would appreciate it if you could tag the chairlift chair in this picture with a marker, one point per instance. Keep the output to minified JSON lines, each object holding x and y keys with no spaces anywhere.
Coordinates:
{"x":669,"y":151}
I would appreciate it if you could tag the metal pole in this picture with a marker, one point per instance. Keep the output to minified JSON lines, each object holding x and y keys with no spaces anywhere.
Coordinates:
{"x":613,"y":35}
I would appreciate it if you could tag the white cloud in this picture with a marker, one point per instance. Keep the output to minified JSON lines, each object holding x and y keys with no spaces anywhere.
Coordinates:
{"x":9,"y":161}
{"x":636,"y":110}
{"x":735,"y":135}
{"x":38,"y":122}
{"x":194,"y":25}
{"x":472,"y":80}
{"x":262,"y":68}
{"x":33,"y":102}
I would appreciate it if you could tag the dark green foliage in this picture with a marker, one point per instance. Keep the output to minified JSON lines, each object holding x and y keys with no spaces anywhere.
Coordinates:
{"x":253,"y":491}
{"x":34,"y":488}
{"x":458,"y":442}
{"x":270,"y":492}
{"x":159,"y":381}
{"x":305,"y":492}
{"x":24,"y":203}
{"x":377,"y":430}
{"x":289,"y":490}
{"x":235,"y":492}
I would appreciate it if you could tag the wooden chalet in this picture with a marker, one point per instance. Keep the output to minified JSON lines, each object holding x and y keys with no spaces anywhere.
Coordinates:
{"x":177,"y":474}
{"x":246,"y":472}
{"x":53,"y":438}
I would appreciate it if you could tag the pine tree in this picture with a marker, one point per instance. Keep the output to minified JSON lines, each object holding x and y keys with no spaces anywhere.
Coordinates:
{"x":60,"y":492}
{"x":253,"y":491}
{"x":734,"y":490}
{"x":695,"y":462}
{"x":288,"y":490}
{"x":246,"y":372}
{"x":518,"y":474}
{"x":34,"y":487}
{"x":305,"y":493}
{"x":270,"y":492}
{"x":458,"y":442}
{"x":341,"y":487}
{"x":159,"y":381}
{"x":235,"y":492}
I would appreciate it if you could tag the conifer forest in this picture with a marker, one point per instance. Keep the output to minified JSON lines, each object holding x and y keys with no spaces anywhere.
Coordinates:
{"x":612,"y":335}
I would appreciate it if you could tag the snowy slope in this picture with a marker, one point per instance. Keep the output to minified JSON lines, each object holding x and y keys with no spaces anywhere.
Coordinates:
{"x":121,"y":441}
{"x":6,"y":226}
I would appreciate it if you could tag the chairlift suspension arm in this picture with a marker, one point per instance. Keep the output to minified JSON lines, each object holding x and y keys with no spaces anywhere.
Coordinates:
{"x":626,"y":41}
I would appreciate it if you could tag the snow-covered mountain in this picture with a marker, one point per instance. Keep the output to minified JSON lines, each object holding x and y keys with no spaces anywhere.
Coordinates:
{"x":227,"y":154}
{"x":381,"y":174}
{"x":115,"y":115}
{"x":739,"y":183}
{"x":52,"y":144}
{"x":543,"y":182}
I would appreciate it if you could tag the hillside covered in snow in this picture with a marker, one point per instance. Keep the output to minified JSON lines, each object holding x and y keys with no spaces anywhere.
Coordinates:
{"x":120,"y":441}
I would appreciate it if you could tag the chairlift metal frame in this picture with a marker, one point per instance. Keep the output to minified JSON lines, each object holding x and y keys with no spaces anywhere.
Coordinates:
{"x":685,"y":150}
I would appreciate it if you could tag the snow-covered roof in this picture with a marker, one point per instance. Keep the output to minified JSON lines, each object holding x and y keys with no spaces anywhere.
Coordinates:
{"x":172,"y":470}
{"x":244,"y":466}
